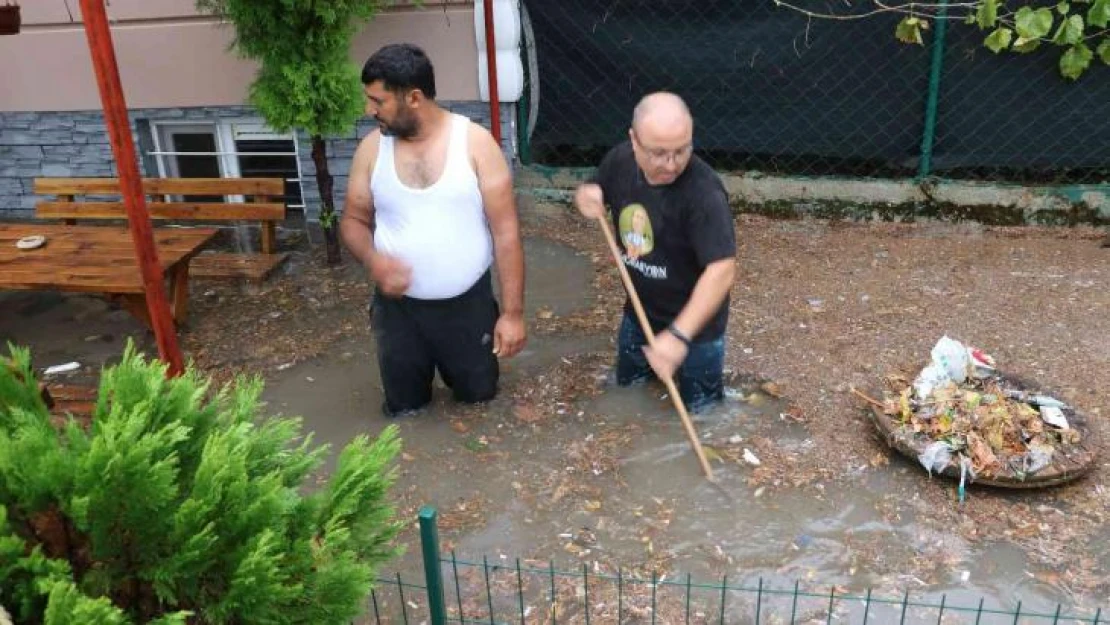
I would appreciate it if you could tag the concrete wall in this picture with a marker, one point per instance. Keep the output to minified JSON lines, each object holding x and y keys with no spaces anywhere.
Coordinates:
{"x":878,"y":199}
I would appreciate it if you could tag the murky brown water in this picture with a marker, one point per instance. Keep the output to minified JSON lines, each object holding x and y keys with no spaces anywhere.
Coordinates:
{"x":528,"y":490}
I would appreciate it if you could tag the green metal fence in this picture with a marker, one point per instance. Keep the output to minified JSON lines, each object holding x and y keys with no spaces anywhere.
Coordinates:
{"x":774,"y":91}
{"x":452,"y":590}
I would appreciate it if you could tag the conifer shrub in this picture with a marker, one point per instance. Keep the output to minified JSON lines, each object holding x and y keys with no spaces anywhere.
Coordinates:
{"x":179,"y":505}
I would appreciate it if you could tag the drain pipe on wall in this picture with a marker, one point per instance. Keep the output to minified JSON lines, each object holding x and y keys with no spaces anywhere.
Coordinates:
{"x":491,"y":72}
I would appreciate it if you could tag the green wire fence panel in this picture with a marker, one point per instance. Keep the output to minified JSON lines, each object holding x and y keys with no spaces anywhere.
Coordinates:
{"x":774,"y":91}
{"x":505,"y":591}
{"x":484,"y":592}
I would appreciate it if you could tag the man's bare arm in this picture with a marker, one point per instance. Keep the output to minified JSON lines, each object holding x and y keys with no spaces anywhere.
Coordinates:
{"x":358,"y":205}
{"x":389,"y":274}
{"x":496,"y":184}
{"x":709,"y":293}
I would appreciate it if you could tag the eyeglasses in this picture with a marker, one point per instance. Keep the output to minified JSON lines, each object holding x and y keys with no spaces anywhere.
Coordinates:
{"x":663,"y":155}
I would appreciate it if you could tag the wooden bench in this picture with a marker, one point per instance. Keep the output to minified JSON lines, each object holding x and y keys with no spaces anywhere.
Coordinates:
{"x":69,"y":205}
{"x":60,"y":399}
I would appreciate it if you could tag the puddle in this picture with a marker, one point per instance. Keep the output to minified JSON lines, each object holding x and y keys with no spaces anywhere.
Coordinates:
{"x":613,"y":479}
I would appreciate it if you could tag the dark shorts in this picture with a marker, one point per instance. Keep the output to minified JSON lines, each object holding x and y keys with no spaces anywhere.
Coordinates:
{"x":700,"y":379}
{"x":415,"y":338}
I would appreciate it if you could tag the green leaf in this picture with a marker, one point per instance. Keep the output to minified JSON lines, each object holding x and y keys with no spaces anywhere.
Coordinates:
{"x":1070,"y":31}
{"x":999,"y":40}
{"x":987,"y":14}
{"x":1033,"y":24}
{"x":1026,"y":46}
{"x":970,"y":19}
{"x":1075,"y":61}
{"x":1104,"y":50}
{"x":1099,"y":15}
{"x":1074,"y":30}
{"x":1063,"y":7}
{"x":909,"y":30}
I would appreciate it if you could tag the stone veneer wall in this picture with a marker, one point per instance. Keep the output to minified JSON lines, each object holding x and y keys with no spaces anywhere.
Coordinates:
{"x":75,"y":144}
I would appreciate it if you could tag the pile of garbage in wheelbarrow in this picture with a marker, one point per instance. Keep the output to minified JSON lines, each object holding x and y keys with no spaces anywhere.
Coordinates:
{"x":962,"y":417}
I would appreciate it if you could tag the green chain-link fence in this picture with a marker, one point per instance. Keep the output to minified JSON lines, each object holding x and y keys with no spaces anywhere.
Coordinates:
{"x":774,"y":91}
{"x":511,"y":591}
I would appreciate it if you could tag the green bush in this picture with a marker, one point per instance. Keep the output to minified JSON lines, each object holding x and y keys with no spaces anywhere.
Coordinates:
{"x":176,"y":506}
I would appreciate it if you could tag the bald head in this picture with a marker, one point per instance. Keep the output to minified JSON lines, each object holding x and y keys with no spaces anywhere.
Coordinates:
{"x":662,"y":137}
{"x":661,"y":110}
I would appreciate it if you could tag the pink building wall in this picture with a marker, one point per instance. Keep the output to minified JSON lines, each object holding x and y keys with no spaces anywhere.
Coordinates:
{"x":170,"y":56}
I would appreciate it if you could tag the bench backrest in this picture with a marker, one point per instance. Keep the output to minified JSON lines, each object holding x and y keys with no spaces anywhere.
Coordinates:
{"x":260,"y":192}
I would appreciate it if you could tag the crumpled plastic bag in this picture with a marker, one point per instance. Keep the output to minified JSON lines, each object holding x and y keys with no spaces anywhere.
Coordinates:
{"x":1037,"y":458}
{"x":936,"y":457}
{"x":952,"y":361}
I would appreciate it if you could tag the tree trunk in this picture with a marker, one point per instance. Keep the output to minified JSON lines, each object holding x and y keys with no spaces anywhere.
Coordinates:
{"x":326,"y":185}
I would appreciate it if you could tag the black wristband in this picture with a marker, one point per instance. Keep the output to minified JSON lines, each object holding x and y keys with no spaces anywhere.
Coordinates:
{"x":679,"y":335}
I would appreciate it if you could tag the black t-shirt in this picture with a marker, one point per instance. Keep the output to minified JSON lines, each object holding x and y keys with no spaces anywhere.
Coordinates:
{"x":668,"y":233}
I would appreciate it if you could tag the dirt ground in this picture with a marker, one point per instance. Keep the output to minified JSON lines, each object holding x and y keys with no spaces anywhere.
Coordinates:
{"x":818,"y":308}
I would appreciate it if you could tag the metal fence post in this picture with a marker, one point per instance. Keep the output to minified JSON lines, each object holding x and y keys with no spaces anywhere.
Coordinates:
{"x":928,"y":138}
{"x":433,"y":578}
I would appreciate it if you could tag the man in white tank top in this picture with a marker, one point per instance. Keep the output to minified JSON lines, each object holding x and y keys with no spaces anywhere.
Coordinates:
{"x":429,"y":206}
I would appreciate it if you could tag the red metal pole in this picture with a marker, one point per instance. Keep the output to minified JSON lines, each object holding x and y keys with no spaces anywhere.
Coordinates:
{"x":131,"y":185}
{"x":491,"y":72}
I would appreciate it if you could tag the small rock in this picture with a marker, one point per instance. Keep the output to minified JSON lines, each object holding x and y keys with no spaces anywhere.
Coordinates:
{"x":735,"y":439}
{"x":751,"y":458}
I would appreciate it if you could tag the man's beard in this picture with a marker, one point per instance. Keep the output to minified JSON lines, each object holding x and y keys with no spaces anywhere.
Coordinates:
{"x":401,"y":128}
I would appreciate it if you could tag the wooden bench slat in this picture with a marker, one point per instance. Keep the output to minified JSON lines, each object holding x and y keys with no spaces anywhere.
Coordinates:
{"x":162,"y":186}
{"x":29,"y":271}
{"x":93,"y":247}
{"x":70,"y":392}
{"x":73,"y":282}
{"x":164,"y":210}
{"x":247,"y":266}
{"x":106,"y":240}
{"x":71,"y":262}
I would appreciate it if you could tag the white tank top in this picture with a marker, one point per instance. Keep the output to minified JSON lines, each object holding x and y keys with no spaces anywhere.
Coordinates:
{"x":440,"y":231}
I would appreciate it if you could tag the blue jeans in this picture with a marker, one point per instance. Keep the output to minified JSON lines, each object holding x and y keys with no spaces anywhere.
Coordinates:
{"x":700,"y":378}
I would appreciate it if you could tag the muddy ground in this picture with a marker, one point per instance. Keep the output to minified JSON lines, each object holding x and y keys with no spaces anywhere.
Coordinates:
{"x":563,"y":468}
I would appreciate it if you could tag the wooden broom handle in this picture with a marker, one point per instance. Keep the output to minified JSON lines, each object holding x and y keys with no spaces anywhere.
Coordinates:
{"x":691,"y":433}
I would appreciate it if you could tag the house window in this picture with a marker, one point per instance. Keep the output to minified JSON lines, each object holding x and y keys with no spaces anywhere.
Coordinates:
{"x":227,"y":149}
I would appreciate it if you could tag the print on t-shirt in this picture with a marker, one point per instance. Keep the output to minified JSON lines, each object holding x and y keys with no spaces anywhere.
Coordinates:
{"x":636,"y":233}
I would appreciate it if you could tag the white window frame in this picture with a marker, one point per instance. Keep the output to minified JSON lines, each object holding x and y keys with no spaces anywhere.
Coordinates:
{"x":226,"y":131}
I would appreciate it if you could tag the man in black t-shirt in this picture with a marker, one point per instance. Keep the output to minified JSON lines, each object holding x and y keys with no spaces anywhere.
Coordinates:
{"x":676,"y":234}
